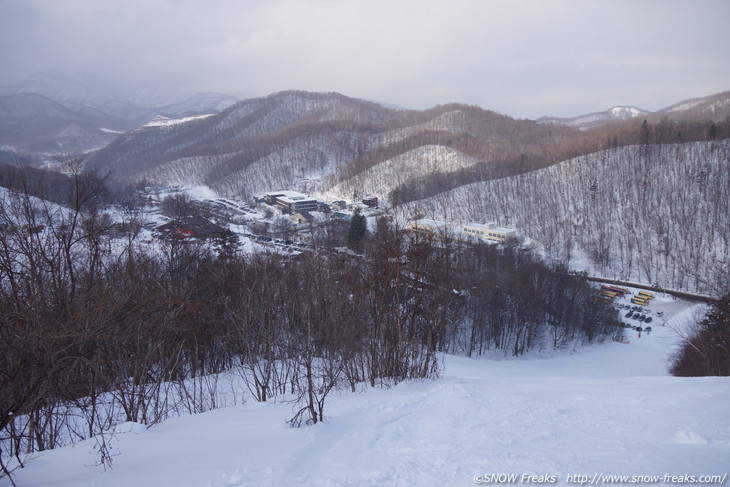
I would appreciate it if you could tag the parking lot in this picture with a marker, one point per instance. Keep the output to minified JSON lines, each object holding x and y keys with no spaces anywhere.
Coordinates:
{"x":656,"y":313}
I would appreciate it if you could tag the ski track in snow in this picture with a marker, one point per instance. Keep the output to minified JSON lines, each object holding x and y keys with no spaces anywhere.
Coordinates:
{"x":609,"y":409}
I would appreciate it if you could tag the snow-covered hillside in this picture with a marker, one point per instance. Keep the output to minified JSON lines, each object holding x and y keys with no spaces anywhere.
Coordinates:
{"x":656,"y":214}
{"x":382,"y":178}
{"x":287,"y":138}
{"x":609,"y":410}
{"x":714,"y":107}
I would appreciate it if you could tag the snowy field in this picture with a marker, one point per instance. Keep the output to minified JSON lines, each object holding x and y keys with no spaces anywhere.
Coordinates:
{"x":607,"y":410}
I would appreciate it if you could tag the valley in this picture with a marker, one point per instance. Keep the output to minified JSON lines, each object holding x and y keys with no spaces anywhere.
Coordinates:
{"x":364,"y":244}
{"x":311,"y":259}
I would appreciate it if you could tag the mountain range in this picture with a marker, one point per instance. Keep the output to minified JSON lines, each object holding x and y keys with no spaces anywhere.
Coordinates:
{"x":598,"y":118}
{"x":456,"y":162}
{"x":642,"y":198}
{"x":313,"y":141}
{"x":51,"y":112}
{"x":325,"y":144}
{"x":67,"y":114}
{"x":336,"y":146}
{"x":33,"y":123}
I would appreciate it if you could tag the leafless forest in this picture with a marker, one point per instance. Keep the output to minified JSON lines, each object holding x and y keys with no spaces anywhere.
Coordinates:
{"x":99,"y":328}
{"x":643,"y":200}
{"x":657,"y":213}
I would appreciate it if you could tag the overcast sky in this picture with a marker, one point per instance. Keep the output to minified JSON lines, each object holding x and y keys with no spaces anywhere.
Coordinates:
{"x":523,"y":58}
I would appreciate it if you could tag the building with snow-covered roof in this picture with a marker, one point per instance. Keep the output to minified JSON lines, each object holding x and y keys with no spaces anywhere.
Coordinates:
{"x":471,"y":232}
{"x":291,"y":201}
{"x":488,"y":231}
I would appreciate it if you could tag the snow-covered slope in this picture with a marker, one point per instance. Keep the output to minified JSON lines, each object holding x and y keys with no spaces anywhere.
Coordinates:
{"x":611,"y":410}
{"x":382,"y":178}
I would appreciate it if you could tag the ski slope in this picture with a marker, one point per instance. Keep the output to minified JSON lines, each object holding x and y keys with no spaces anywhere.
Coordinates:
{"x":605,"y":410}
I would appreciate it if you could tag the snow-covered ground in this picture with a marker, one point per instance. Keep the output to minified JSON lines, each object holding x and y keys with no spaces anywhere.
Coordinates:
{"x":610,"y":409}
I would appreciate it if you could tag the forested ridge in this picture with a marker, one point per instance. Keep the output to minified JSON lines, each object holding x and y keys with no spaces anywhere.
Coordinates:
{"x":654,"y":213}
{"x":326,"y":143}
{"x":292,"y":136}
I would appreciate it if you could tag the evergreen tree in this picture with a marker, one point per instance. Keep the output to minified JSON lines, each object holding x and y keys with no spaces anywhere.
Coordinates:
{"x":226,"y":242}
{"x":358,"y":231}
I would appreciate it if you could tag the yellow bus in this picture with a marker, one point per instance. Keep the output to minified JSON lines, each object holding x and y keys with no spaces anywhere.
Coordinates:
{"x":640,"y":300}
{"x":645,"y":294}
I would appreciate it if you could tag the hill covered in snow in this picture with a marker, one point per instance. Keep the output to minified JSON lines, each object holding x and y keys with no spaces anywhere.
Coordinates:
{"x":312,"y":141}
{"x":655,"y":213}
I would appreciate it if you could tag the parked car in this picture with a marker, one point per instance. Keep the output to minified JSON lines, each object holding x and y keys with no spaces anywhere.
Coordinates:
{"x":648,"y":319}
{"x":628,"y":315}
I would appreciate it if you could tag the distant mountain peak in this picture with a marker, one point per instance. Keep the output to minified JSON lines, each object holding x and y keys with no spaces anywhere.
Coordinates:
{"x":626,"y":112}
{"x":713,"y":107}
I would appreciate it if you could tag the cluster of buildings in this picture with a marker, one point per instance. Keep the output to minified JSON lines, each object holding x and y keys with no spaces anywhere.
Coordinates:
{"x":299,"y":206}
{"x":291,"y":202}
{"x":470,"y":232}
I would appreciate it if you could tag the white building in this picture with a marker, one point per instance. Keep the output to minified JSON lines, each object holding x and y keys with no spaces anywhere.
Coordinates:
{"x":471,"y":232}
{"x":291,"y":201}
{"x":489,"y":231}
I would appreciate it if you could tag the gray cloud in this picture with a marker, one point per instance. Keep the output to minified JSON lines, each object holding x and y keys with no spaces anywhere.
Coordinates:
{"x":520,"y":57}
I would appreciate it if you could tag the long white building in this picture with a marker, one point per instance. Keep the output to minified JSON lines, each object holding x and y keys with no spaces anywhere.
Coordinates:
{"x":469,"y":232}
{"x":489,"y":231}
